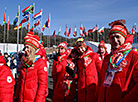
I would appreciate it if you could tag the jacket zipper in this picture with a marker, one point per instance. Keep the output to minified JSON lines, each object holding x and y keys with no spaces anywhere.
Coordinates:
{"x":24,"y":83}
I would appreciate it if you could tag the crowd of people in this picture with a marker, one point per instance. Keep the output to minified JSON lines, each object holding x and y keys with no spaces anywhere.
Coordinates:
{"x":97,"y":76}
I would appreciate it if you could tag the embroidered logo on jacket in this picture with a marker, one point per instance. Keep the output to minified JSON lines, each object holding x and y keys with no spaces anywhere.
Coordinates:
{"x":9,"y":79}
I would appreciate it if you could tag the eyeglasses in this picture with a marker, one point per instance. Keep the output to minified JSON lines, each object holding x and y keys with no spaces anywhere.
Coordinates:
{"x":61,"y":48}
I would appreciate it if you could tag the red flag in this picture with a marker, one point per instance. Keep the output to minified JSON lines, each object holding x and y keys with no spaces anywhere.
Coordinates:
{"x":133,"y":29}
{"x":32,"y":29}
{"x":54,"y":33}
{"x":28,"y":26}
{"x":81,"y":30}
{"x":84,"y":32}
{"x":37,"y":23}
{"x":92,"y":30}
{"x":69,"y":32}
{"x":4,"y":16}
{"x":75,"y":31}
{"x":48,"y":22}
{"x":65,"y":31}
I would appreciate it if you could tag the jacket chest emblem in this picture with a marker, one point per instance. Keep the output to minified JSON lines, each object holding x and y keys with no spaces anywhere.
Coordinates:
{"x":9,"y":79}
{"x":87,"y":60}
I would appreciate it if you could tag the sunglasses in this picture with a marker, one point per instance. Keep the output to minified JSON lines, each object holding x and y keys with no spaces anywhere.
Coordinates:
{"x":61,"y":48}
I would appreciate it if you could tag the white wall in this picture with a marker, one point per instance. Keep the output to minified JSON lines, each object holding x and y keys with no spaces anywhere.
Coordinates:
{"x":11,"y":47}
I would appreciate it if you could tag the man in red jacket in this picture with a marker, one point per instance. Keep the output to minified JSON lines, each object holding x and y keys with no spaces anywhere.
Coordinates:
{"x":32,"y":81}
{"x":6,"y":82}
{"x":89,"y":65}
{"x":119,"y":73}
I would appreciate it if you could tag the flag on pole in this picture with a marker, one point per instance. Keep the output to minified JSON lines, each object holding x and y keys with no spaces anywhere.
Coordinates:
{"x":54,"y":33}
{"x":32,"y":29}
{"x":8,"y":23}
{"x":92,"y":30}
{"x":26,"y":18}
{"x":81,"y":30}
{"x":48,"y":22}
{"x":20,"y":26}
{"x":16,"y":19}
{"x":133,"y":29}
{"x":4,"y":16}
{"x":38,"y":15}
{"x":69,"y":32}
{"x":29,"y":9}
{"x":75,"y":31}
{"x":43,"y":28}
{"x":59,"y":31}
{"x":37,"y":23}
{"x":28,"y":26}
{"x":84,"y":31}
{"x":65,"y":31}
{"x":100,"y":31}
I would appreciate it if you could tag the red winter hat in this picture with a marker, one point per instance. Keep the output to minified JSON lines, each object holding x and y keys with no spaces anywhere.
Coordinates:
{"x":118,"y":27}
{"x":33,"y":41}
{"x":102,"y":44}
{"x":63,"y":44}
{"x":28,"y":35}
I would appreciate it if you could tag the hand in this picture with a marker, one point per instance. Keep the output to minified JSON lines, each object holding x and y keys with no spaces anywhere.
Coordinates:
{"x":70,"y":71}
{"x":55,"y":57}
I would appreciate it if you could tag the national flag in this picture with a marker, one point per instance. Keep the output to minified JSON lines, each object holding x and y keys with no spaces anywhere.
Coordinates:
{"x":133,"y":29}
{"x":26,"y":18}
{"x":28,"y":26}
{"x":69,"y":32}
{"x":54,"y":33}
{"x":84,"y":31}
{"x":48,"y":22}
{"x":92,"y":30}
{"x":29,"y":9}
{"x":65,"y":31}
{"x":4,"y":16}
{"x":20,"y":26}
{"x":100,"y":31}
{"x":75,"y":31}
{"x":16,"y":19}
{"x":81,"y":30}
{"x":8,"y":23}
{"x":38,"y":15}
{"x":43,"y":28}
{"x":37,"y":23}
{"x":59,"y":31}
{"x":26,"y":14}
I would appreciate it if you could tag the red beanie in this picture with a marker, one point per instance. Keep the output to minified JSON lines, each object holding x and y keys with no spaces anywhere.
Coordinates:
{"x":63,"y":44}
{"x":118,"y":27}
{"x":33,"y":41}
{"x":102,"y":44}
{"x":28,"y":35}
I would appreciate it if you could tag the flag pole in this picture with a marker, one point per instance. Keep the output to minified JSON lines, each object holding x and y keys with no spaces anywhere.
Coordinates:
{"x":18,"y":29}
{"x":21,"y":38}
{"x":41,"y":26}
{"x":7,"y":33}
{"x":4,"y":37}
{"x":33,"y":15}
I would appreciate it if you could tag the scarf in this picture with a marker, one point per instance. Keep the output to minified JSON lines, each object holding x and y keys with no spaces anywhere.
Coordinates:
{"x":117,"y":57}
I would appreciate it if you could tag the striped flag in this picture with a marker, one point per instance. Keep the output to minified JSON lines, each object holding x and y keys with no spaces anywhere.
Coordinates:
{"x":4,"y":16}
{"x":29,"y":9}
{"x":133,"y":29}
{"x":65,"y":31}
{"x":92,"y":30}
{"x":54,"y":33}
{"x":43,"y":28}
{"x":16,"y":19}
{"x":26,"y":18}
{"x":100,"y":31}
{"x":38,"y":15}
{"x":84,"y":31}
{"x":81,"y":30}
{"x":20,"y":26}
{"x":37,"y":23}
{"x":28,"y":26}
{"x":69,"y":32}
{"x":75,"y":31}
{"x":48,"y":22}
{"x":59,"y":30}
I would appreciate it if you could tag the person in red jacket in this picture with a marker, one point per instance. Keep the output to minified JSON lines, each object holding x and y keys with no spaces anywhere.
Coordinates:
{"x":89,"y":65}
{"x":102,"y":49}
{"x":119,"y":73}
{"x":6,"y":82}
{"x":61,"y":78}
{"x":32,"y":81}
